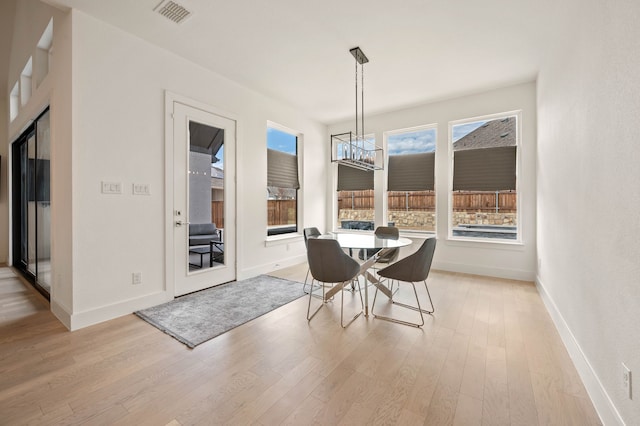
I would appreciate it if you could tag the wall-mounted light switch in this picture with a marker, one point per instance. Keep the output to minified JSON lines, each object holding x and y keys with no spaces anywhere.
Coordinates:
{"x":111,"y":188}
{"x":141,"y":189}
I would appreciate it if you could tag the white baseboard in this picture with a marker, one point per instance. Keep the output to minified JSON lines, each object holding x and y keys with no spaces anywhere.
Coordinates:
{"x":270,"y":267}
{"x":61,"y":313}
{"x":104,"y":313}
{"x":512,"y":274}
{"x":601,"y":401}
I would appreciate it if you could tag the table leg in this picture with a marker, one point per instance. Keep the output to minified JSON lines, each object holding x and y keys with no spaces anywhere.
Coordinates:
{"x":364,"y":271}
{"x":210,"y":254}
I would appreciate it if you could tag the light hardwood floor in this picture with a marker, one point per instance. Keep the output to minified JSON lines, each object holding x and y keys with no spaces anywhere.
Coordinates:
{"x":489,"y":355}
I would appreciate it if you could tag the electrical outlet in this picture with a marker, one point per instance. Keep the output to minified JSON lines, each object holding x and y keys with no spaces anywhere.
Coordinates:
{"x":136,"y":278}
{"x":626,"y":380}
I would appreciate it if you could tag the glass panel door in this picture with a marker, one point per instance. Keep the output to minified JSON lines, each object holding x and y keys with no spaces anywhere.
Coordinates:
{"x":203,"y":245}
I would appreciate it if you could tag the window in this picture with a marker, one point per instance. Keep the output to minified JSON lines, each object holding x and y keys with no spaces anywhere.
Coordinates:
{"x":411,"y":199}
{"x":282,"y":180}
{"x":484,"y":196}
{"x":14,"y":102}
{"x":25,"y":82}
{"x":356,"y":200}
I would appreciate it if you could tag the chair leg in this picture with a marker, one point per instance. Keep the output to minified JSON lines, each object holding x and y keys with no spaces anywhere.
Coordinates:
{"x":311,"y":296}
{"x":304,"y":286}
{"x":342,"y":306}
{"x":418,"y":308}
{"x":391,"y":288}
{"x":433,"y":309}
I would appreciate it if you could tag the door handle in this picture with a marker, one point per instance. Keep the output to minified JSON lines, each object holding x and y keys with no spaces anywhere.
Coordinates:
{"x":180,"y":223}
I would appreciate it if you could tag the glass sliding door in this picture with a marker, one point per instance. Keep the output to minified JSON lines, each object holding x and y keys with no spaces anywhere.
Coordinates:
{"x":43,"y":202}
{"x":31,"y":203}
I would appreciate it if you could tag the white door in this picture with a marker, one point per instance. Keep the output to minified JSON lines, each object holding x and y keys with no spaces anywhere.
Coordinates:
{"x":204,"y":199}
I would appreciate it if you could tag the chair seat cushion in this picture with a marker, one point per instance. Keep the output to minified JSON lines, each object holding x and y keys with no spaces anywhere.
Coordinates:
{"x":203,"y":233}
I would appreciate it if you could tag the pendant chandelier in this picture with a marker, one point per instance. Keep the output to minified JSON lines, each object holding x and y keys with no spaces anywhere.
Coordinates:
{"x":354,"y":149}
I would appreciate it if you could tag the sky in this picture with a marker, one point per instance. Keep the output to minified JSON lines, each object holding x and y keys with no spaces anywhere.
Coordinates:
{"x":398,"y":144}
{"x":412,"y":142}
{"x":281,"y":141}
{"x":462,"y":130}
{"x":276,"y":139}
{"x":220,"y":156}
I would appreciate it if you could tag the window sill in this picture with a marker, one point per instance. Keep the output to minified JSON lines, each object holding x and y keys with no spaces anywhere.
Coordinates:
{"x":417,"y":234}
{"x":276,"y":240}
{"x":485,"y":243}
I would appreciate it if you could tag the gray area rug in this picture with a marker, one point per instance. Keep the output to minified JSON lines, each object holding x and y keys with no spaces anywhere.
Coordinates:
{"x":197,"y":317}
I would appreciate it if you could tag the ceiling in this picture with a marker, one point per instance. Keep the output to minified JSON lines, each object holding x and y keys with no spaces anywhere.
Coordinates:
{"x":298,"y":51}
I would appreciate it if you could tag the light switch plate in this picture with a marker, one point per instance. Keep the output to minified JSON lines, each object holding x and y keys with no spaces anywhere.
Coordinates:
{"x":111,"y":187}
{"x":141,"y":189}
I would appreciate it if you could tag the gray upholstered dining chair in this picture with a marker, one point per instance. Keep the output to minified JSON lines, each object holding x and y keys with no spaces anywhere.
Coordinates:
{"x":329,"y":264}
{"x":312,"y":232}
{"x":413,"y":268}
{"x":383,"y":232}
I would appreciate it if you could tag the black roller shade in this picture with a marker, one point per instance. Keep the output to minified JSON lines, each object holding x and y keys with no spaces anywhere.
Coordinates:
{"x":352,"y":179}
{"x":282,"y":169}
{"x":485,"y":169}
{"x":411,"y":172}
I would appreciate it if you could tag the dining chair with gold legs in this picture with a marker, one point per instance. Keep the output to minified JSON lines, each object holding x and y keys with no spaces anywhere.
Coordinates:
{"x":412,"y":269}
{"x":329,"y":264}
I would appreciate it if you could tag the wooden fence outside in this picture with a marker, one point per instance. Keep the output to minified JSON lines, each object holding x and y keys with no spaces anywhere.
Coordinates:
{"x":217,"y":213}
{"x":426,"y":201}
{"x":280,"y":212}
{"x":283,"y":212}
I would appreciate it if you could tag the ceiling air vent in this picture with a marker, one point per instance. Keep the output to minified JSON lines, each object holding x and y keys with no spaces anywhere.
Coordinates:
{"x":172,"y":10}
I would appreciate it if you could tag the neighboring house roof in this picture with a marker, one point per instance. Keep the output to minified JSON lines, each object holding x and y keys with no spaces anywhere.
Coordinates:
{"x":494,"y":133}
{"x":217,"y":172}
{"x":217,"y":178}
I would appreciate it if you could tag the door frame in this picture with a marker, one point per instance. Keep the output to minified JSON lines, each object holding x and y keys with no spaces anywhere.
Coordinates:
{"x":170,"y":99}
{"x":15,"y":206}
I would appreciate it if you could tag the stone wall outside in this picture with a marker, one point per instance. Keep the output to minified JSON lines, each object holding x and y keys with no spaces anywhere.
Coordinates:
{"x":425,"y":220}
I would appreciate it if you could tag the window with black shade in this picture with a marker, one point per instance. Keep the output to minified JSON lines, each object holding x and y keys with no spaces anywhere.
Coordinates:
{"x":411,"y":198}
{"x":484,"y":199}
{"x":283,"y":183}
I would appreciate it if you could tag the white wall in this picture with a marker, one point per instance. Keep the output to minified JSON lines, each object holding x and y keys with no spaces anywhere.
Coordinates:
{"x":118,"y":135}
{"x":503,"y":260}
{"x":588,"y":198}
{"x":7,"y":12}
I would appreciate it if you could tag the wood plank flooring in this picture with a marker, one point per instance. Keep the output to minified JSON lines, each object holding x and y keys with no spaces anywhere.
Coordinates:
{"x":490,"y":355}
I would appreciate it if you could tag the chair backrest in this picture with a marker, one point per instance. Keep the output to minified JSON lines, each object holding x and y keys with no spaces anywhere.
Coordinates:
{"x":202,"y":228}
{"x":414,"y":267}
{"x":328,"y":263}
{"x":387,"y":232}
{"x":310,"y":233}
